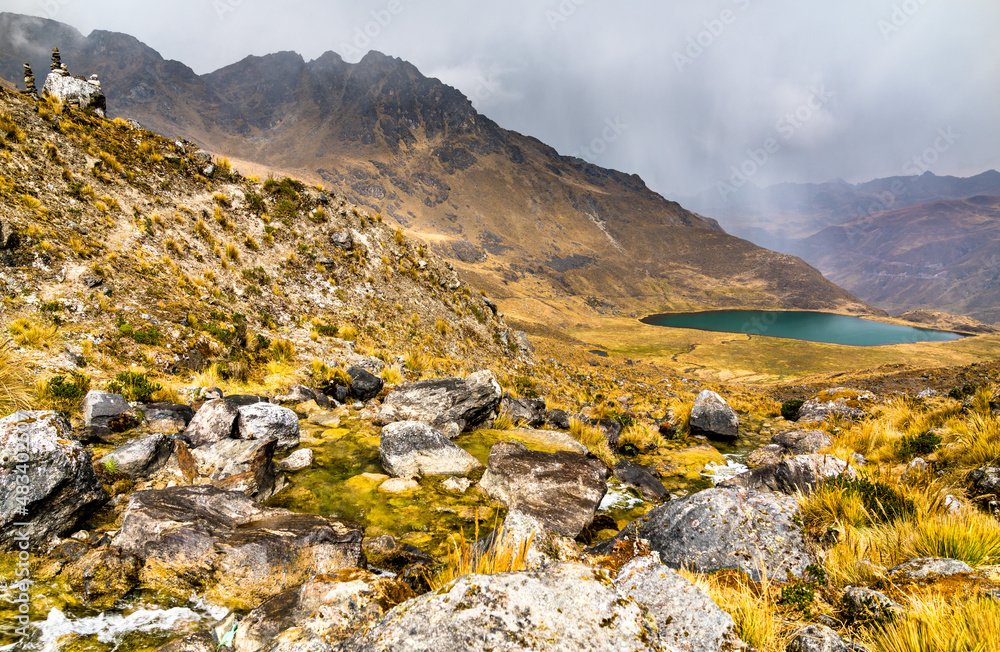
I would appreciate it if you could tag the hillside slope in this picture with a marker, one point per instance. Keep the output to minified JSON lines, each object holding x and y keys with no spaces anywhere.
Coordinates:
{"x":547,"y":233}
{"x":944,"y":255}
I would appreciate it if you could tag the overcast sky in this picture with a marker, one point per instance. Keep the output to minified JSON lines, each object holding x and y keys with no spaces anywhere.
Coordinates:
{"x":678,"y":91}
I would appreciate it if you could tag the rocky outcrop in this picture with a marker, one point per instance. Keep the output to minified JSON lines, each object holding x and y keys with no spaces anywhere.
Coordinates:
{"x":723,"y":528}
{"x":451,"y":405}
{"x":561,"y":490}
{"x":846,"y":403}
{"x":227,"y":546}
{"x":214,"y":421}
{"x":264,"y":421}
{"x":927,"y":568}
{"x":82,"y":93}
{"x":140,"y":458}
{"x":411,"y":449}
{"x":712,"y":417}
{"x":47,"y":481}
{"x":686,"y":618}
{"x":103,"y":575}
{"x":802,"y":473}
{"x":566,"y":607}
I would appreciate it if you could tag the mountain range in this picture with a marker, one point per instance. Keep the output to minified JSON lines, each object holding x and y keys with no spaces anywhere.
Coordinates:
{"x":546,"y":234}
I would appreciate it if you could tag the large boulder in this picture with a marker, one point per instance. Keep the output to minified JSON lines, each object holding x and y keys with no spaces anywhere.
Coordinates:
{"x":326,"y":608}
{"x":451,"y":405}
{"x":846,"y":403}
{"x":565,"y":607}
{"x":802,"y":473}
{"x":47,"y":481}
{"x":269,"y":421}
{"x":83,"y":93}
{"x":241,"y":465}
{"x":364,"y":384}
{"x":561,"y":490}
{"x":712,"y":417}
{"x":411,"y":449}
{"x":686,"y":617}
{"x":99,"y":407}
{"x":214,"y":421}
{"x":642,"y":478}
{"x":142,"y":457}
{"x":228,"y":547}
{"x":724,"y":528}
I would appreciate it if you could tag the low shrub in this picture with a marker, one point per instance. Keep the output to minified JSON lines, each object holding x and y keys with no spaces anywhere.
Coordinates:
{"x":134,"y":386}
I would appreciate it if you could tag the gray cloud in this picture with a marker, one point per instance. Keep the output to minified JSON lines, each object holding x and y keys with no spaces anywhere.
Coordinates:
{"x":692,"y":88}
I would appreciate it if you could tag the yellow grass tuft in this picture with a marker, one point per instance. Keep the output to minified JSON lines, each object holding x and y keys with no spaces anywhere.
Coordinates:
{"x":392,"y":375}
{"x":753,"y":606}
{"x":939,"y":623}
{"x":15,"y":392}
{"x":592,"y":437}
{"x":27,"y":333}
{"x":507,"y":554}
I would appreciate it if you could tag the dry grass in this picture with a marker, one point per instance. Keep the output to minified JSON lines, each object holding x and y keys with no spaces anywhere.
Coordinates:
{"x":680,"y":415}
{"x":282,"y":351}
{"x":643,"y":436}
{"x":970,"y":536}
{"x":392,"y":375}
{"x":752,"y":605}
{"x":15,"y":392}
{"x":937,"y":623}
{"x":416,"y":362}
{"x":594,"y":439}
{"x":25,"y":332}
{"x":507,"y":554}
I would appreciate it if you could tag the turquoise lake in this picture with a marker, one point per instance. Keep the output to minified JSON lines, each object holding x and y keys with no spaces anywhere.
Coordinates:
{"x":808,"y":326}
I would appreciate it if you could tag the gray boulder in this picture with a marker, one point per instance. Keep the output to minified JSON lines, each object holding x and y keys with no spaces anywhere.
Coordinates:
{"x":723,"y":528}
{"x":241,"y":465}
{"x":561,"y":490}
{"x":47,"y":481}
{"x":229,"y":547}
{"x":411,"y":449}
{"x":300,"y":459}
{"x":142,"y":457}
{"x":802,"y":473}
{"x":451,"y":405}
{"x":364,"y":384}
{"x":788,"y":444}
{"x":557,"y":419}
{"x":269,"y":421}
{"x":712,"y":417}
{"x":214,"y":421}
{"x":98,"y":407}
{"x":526,"y":411}
{"x":85,"y":94}
{"x":818,"y":638}
{"x":342,"y":239}
{"x":642,"y":478}
{"x":568,"y":607}
{"x":862,"y":605}
{"x":686,"y":617}
{"x":168,"y":418}
{"x":296,"y":394}
{"x":927,"y":568}
{"x":985,"y":481}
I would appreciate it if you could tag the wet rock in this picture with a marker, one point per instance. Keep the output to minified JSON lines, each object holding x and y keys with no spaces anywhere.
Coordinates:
{"x":46,"y":480}
{"x":142,"y":457}
{"x":456,"y":484}
{"x":642,"y":478}
{"x":409,"y":563}
{"x":102,"y":576}
{"x":562,"y":490}
{"x":686,"y":617}
{"x":214,"y":421}
{"x":200,"y":642}
{"x":451,"y":405}
{"x":269,"y":421}
{"x":525,"y":411}
{"x":300,"y":459}
{"x":398,"y":486}
{"x":364,"y":385}
{"x":411,"y":449}
{"x":847,"y":403}
{"x":296,"y":394}
{"x":765,"y":455}
{"x":818,"y":638}
{"x":565,"y":607}
{"x":98,"y":407}
{"x":229,"y":547}
{"x":124,"y":422}
{"x":168,"y":418}
{"x":927,"y":568}
{"x":723,"y":528}
{"x":712,"y":417}
{"x":802,"y":473}
{"x":557,"y":419}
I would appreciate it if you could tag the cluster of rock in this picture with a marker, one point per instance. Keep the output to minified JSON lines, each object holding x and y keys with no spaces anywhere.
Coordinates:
{"x":73,"y":91}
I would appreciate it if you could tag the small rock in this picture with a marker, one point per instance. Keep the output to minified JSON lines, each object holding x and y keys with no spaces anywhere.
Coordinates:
{"x":642,"y":478}
{"x":399,"y":486}
{"x":818,"y":638}
{"x":457,"y":484}
{"x":98,"y":407}
{"x":364,"y":384}
{"x":140,"y":458}
{"x":865,"y":605}
{"x":928,"y":568}
{"x":300,"y":459}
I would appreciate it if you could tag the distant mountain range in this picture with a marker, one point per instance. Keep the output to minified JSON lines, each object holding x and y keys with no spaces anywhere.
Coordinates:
{"x":546,"y":232}
{"x":900,"y":243}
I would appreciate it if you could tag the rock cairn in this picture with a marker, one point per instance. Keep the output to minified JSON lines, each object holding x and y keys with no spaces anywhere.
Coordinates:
{"x":29,"y":81}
